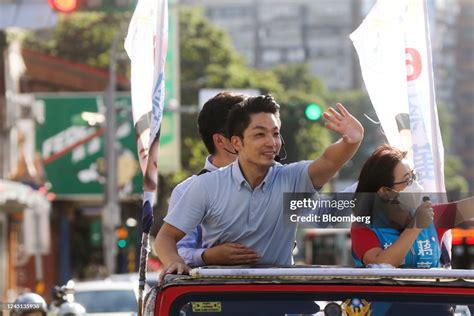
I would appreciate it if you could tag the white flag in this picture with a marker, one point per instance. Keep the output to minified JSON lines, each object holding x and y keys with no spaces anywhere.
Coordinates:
{"x":146,"y":45}
{"x":394,"y":50}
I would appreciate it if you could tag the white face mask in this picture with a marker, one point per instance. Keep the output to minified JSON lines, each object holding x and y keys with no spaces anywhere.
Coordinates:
{"x":411,"y":197}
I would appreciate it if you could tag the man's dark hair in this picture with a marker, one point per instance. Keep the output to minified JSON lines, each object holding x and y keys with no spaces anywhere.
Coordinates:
{"x":239,"y":116}
{"x":213,"y":117}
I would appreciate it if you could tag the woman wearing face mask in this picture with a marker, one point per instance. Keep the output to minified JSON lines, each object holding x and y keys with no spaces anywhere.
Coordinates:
{"x":405,"y":231}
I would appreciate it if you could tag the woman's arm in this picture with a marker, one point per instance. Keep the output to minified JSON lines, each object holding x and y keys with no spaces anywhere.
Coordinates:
{"x":394,"y":254}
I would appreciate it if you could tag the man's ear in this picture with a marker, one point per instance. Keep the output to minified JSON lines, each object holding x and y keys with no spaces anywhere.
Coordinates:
{"x":236,"y":142}
{"x":217,"y":141}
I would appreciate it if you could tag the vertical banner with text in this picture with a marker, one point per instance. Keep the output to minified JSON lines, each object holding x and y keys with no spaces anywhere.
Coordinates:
{"x":394,"y":48}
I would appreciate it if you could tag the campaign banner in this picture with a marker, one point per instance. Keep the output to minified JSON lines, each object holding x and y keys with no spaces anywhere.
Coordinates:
{"x":394,"y":49}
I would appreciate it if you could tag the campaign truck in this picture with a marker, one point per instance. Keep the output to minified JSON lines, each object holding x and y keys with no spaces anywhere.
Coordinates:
{"x":311,"y":290}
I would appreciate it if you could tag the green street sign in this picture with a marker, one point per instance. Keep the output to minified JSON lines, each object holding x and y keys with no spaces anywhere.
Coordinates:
{"x":73,"y":155}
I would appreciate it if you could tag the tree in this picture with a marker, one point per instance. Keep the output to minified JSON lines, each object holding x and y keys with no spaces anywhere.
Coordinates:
{"x":208,"y":60}
{"x":456,"y":184}
{"x":82,"y":37}
{"x":300,"y":85}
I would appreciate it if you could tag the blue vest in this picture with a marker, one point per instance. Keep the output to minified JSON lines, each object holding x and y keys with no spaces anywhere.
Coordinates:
{"x":424,"y":253}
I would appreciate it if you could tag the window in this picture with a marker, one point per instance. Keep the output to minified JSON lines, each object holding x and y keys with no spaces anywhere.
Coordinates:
{"x":107,"y":301}
{"x":291,"y":303}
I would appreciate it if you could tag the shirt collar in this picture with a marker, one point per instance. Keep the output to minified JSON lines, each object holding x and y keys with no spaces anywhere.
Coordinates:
{"x":209,"y":165}
{"x":239,"y":178}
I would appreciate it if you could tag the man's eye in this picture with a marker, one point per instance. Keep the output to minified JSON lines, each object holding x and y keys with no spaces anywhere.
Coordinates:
{"x":259,"y":135}
{"x":276,"y":134}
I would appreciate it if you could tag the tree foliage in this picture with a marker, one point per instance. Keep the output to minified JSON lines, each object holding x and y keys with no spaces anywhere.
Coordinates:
{"x":208,"y":60}
{"x":300,"y":85}
{"x":456,"y":184}
{"x":84,"y":38}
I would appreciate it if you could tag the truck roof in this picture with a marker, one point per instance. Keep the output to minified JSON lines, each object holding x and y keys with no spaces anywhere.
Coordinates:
{"x":323,"y":275}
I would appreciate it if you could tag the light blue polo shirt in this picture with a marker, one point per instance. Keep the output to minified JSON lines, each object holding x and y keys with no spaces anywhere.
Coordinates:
{"x":190,"y":247}
{"x":230,"y":211}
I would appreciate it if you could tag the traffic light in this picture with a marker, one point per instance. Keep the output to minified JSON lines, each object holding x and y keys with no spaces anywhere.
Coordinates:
{"x":64,"y":6}
{"x":313,"y":112}
{"x":122,"y":237}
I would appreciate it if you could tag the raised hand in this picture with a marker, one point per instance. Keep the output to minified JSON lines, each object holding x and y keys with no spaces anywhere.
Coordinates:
{"x":344,"y":124}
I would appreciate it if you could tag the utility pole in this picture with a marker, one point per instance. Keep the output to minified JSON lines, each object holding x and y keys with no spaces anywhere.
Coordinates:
{"x":4,"y":133}
{"x":111,"y":214}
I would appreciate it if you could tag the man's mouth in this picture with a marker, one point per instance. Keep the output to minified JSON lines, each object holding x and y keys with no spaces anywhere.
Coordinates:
{"x":269,"y":154}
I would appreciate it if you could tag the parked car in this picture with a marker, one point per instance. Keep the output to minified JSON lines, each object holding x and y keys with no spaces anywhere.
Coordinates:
{"x":107,"y":297}
{"x":314,"y":291}
{"x":151,"y":278}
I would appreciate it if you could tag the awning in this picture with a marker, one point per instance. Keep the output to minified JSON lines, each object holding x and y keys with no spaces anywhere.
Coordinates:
{"x":15,"y":197}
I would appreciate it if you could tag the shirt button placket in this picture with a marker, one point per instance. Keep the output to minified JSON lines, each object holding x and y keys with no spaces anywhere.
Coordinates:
{"x":253,"y":211}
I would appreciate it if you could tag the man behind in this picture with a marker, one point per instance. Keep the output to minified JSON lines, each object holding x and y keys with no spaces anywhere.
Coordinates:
{"x":212,"y":123}
{"x":243,"y":202}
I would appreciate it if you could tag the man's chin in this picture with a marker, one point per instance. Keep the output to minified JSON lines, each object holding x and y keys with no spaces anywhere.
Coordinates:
{"x":269,"y":162}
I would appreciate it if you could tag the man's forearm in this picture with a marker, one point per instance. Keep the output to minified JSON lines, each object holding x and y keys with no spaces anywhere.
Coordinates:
{"x":165,"y":247}
{"x":334,"y":157}
{"x":339,"y":153}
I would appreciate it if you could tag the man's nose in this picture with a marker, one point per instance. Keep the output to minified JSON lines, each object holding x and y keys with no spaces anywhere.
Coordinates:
{"x":270,"y":141}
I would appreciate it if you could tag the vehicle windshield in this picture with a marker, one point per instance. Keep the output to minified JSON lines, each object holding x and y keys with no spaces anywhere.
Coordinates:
{"x":107,"y":301}
{"x":264,"y":304}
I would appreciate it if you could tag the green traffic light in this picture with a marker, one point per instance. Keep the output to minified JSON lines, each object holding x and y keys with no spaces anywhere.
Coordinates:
{"x":313,"y":112}
{"x":122,"y":243}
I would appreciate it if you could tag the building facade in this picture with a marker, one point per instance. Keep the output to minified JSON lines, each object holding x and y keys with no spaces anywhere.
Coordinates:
{"x":273,"y":32}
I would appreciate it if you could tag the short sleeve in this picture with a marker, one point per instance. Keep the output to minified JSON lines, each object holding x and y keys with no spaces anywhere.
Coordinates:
{"x":363,"y":239}
{"x":188,"y":212}
{"x":178,"y":191}
{"x":298,"y":175}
